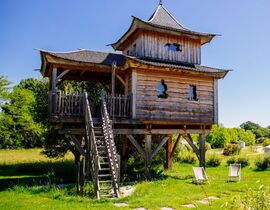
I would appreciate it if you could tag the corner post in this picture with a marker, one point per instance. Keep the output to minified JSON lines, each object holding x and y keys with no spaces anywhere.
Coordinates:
{"x":147,"y":161}
{"x":202,"y":150}
{"x":169,"y":153}
{"x":54,"y":90}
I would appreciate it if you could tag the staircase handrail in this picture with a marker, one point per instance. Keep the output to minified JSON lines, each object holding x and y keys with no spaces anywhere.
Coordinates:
{"x":110,"y":146}
{"x":91,"y":145}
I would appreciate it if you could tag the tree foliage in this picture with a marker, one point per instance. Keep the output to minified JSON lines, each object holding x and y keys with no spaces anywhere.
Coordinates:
{"x":4,"y":89}
{"x":219,"y":136}
{"x":17,"y":123}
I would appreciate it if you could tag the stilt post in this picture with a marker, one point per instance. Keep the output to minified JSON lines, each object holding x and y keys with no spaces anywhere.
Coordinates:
{"x":169,"y":149}
{"x":147,"y":161}
{"x":202,"y":150}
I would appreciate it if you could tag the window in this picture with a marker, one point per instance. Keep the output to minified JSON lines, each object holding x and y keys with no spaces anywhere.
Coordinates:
{"x":174,"y":47}
{"x":192,"y":95}
{"x":161,"y":89}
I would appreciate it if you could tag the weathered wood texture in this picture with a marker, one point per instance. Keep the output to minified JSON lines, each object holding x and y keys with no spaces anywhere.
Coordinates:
{"x":176,"y":107}
{"x":152,"y":45}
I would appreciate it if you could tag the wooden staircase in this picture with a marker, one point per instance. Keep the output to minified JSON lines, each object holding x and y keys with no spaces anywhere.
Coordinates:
{"x":101,"y":155}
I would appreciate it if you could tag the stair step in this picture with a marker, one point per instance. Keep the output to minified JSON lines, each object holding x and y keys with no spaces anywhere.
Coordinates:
{"x":107,"y":195}
{"x":105,"y":181}
{"x":106,"y":188}
{"x":104,"y":175}
{"x":104,"y":169}
{"x":103,"y":163}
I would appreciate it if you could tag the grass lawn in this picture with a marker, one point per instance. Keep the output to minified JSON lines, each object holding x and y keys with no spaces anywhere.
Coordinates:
{"x":174,"y":190}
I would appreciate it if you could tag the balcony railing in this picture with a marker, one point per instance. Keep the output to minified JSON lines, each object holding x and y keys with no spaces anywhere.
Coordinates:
{"x":119,"y":105}
{"x":71,"y":104}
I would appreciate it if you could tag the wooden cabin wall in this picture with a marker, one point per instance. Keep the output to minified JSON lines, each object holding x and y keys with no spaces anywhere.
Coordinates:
{"x":176,"y":107}
{"x":152,"y":45}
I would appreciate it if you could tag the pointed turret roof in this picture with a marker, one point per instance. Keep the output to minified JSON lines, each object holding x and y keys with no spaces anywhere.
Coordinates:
{"x":161,"y":21}
{"x":162,"y":17}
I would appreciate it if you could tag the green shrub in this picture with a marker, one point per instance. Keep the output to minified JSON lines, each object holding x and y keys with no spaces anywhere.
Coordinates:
{"x":231,"y":149}
{"x":207,"y":146}
{"x":186,"y":156}
{"x":262,"y":163}
{"x":231,"y":160}
{"x":244,"y":161}
{"x":266,"y":142}
{"x":213,"y":161}
{"x":252,"y":199}
{"x":260,"y":140}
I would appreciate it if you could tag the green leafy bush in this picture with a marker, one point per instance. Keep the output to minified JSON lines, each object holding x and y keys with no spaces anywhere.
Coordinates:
{"x":207,"y":146}
{"x":231,"y":149}
{"x":244,"y":161}
{"x":186,"y":155}
{"x":262,"y":163}
{"x":213,"y":161}
{"x":266,"y":142}
{"x":260,"y":140}
{"x":251,"y":200}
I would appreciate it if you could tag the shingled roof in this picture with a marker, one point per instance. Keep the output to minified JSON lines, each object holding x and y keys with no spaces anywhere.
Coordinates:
{"x":106,"y":59}
{"x":162,"y":17}
{"x":88,"y":56}
{"x":221,"y":73}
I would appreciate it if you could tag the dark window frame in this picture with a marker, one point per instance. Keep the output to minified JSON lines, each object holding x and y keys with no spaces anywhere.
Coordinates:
{"x":193,"y":93}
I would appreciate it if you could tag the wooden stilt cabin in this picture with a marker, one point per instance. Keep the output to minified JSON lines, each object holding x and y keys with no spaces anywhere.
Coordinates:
{"x":155,"y":85}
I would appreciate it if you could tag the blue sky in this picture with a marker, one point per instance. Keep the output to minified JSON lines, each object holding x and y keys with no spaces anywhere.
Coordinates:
{"x":61,"y":25}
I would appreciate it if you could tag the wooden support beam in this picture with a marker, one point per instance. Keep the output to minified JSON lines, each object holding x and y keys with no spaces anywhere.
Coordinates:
{"x":136,"y":144}
{"x":155,"y":131}
{"x":82,"y":73}
{"x":193,"y":146}
{"x":202,"y":150}
{"x":121,"y":80}
{"x":216,"y":101}
{"x":54,"y":90}
{"x":169,"y":149}
{"x":62,"y":74}
{"x":176,"y":143}
{"x":147,"y":160}
{"x":77,"y":145}
{"x":155,"y":151}
{"x":124,"y":154}
{"x":134,"y":92}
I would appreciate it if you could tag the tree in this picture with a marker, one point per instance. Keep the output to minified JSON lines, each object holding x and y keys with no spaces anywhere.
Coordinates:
{"x":218,"y":136}
{"x":40,"y":90}
{"x":250,"y":126}
{"x":4,"y":89}
{"x":18,"y":127}
{"x":246,"y":136}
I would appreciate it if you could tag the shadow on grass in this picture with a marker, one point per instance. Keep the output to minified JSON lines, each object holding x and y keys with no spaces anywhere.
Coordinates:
{"x":36,"y":173}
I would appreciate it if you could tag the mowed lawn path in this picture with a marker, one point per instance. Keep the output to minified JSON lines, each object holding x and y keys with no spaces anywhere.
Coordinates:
{"x":176,"y":189}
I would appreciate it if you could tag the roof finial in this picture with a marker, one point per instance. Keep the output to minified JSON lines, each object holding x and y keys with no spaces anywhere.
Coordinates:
{"x":160,"y":2}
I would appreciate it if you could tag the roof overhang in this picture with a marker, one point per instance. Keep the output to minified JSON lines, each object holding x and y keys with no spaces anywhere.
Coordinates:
{"x":132,"y":62}
{"x":144,"y":25}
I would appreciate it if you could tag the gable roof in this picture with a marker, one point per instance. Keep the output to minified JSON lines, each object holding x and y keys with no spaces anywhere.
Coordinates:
{"x":161,"y":21}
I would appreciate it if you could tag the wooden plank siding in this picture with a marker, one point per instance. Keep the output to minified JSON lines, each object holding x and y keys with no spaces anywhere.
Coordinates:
{"x":176,"y":107}
{"x":152,"y":45}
